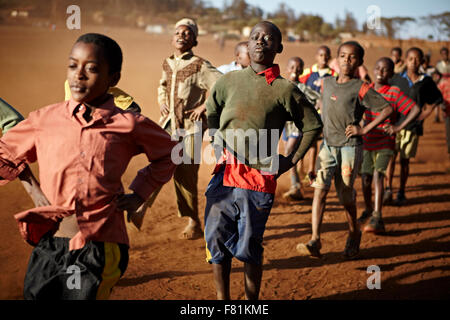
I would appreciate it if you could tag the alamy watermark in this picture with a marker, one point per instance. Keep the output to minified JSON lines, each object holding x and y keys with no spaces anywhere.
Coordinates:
{"x":251,"y":147}
{"x":74,"y":280}
{"x":74,"y":20}
{"x":374,"y":280}
{"x":373,"y":20}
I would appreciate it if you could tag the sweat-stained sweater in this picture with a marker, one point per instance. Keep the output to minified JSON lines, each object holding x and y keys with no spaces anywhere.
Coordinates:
{"x":249,"y":115}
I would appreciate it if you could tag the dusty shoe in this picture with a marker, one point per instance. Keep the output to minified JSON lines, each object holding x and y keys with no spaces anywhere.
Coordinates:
{"x":375,"y":225}
{"x":312,"y":248}
{"x":387,"y":197}
{"x":364,"y":216}
{"x":293,"y":193}
{"x":352,"y":246}
{"x":401,"y":199}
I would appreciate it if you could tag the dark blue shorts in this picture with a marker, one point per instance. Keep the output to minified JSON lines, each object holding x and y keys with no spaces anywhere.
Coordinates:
{"x":235,"y":220}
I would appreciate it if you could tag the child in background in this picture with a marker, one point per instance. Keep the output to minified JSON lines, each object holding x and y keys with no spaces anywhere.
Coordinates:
{"x":344,"y":100}
{"x":313,"y":78}
{"x":83,"y":146}
{"x":240,"y":195}
{"x":291,"y":134}
{"x":399,"y":63}
{"x":241,"y":59}
{"x":379,"y":144}
{"x":427,"y":96}
{"x":186,"y":78}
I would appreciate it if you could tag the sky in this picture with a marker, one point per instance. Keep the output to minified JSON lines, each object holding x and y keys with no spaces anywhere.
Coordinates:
{"x":330,"y":9}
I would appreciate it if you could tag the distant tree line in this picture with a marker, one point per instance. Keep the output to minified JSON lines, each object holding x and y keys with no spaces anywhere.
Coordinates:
{"x":234,"y":14}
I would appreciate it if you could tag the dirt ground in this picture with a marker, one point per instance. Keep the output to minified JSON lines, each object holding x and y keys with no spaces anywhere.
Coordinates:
{"x":413,"y":255}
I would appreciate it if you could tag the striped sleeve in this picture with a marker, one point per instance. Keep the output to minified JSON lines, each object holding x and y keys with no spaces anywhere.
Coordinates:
{"x":403,"y":103}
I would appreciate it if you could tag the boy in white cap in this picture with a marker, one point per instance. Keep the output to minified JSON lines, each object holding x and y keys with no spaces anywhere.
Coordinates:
{"x":181,"y":94}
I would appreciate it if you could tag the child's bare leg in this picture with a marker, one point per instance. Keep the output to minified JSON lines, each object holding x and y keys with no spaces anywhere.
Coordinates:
{"x":312,"y":155}
{"x":404,"y":173}
{"x":378,"y":179}
{"x":367,"y":191}
{"x":350,"y":210}
{"x":390,"y":171}
{"x":318,"y":208}
{"x":221,"y":273}
{"x":252,"y":279}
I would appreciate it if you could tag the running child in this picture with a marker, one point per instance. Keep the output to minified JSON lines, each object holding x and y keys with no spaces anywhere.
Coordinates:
{"x":379,"y":144}
{"x":344,"y":100}
{"x":427,"y":96}
{"x":186,"y":78}
{"x":399,"y":63}
{"x":240,"y":195}
{"x":291,"y":134}
{"x":83,"y":146}
{"x":241,"y":59}
{"x":313,"y":78}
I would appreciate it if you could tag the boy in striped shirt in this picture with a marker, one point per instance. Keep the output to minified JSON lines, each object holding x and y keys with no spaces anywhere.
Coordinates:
{"x":379,"y":144}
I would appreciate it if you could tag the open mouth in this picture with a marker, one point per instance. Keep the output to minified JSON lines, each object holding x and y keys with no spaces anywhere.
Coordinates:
{"x":78,"y":88}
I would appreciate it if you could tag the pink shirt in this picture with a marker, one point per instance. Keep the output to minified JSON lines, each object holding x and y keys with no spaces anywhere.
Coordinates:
{"x":81,"y":164}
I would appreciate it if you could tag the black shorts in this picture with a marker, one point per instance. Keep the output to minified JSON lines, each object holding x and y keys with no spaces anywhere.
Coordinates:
{"x":55,"y":273}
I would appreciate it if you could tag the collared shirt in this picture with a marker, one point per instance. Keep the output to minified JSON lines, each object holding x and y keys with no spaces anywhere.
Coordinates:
{"x":271,"y":73}
{"x":233,"y":66}
{"x":81,"y":164}
{"x":313,"y":77}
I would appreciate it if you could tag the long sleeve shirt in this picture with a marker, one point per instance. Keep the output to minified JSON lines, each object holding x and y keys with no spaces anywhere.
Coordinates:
{"x":81,"y":164}
{"x":183,"y":86}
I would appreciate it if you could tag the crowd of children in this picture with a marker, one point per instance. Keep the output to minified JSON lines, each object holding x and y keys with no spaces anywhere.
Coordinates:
{"x":360,"y":126}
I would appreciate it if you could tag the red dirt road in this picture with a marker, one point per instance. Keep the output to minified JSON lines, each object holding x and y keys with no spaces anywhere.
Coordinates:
{"x":414,"y":255}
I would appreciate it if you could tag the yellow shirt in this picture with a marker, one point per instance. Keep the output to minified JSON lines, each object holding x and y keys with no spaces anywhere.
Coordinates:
{"x":121,"y":99}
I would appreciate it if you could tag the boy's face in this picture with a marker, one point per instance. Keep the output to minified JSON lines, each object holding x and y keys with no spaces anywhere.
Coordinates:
{"x":242,"y":58}
{"x":294,"y":69}
{"x":395,"y":56}
{"x":88,"y":73}
{"x":263,"y":44}
{"x":444,"y":55}
{"x":382,"y":72}
{"x":413,"y":61}
{"x":183,"y":39}
{"x":348,"y":60}
{"x":322,"y":58}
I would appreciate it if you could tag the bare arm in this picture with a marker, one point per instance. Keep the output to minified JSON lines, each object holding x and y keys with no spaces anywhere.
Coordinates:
{"x":353,"y":130}
{"x":415,"y":110}
{"x":33,"y":188}
{"x":427,"y":110}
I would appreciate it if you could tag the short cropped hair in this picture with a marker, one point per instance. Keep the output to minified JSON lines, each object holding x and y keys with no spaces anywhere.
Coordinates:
{"x":275,"y":28}
{"x":297,"y":59}
{"x":237,"y":49}
{"x":418,"y":50}
{"x":398,"y":49}
{"x":110,"y":48}
{"x":326,"y":48}
{"x":359,"y":48}
{"x":388,"y":61}
{"x":444,"y":49}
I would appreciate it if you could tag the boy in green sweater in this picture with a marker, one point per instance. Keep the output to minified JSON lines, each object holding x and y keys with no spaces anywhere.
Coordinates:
{"x":248,"y":109}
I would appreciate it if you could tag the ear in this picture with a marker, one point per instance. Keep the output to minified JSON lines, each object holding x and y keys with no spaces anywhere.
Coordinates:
{"x":280,"y":48}
{"x":114,"y":79}
{"x":361,"y":62}
{"x":195,"y":43}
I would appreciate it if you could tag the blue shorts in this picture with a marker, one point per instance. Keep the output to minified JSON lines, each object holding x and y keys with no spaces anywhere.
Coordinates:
{"x":235,"y":220}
